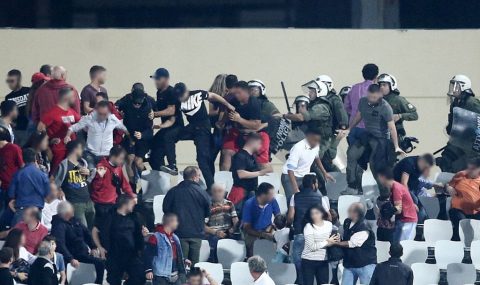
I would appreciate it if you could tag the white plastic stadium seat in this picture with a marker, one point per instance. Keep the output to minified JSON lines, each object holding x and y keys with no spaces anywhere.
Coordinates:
{"x":225,"y":178}
{"x":282,"y":203}
{"x":158,"y":208}
{"x":265,"y":249}
{"x":383,"y":247}
{"x":215,"y":270}
{"x":240,"y":274}
{"x":204,"y":251}
{"x":282,"y":273}
{"x":435,"y":230}
{"x":447,"y":251}
{"x":2,"y":242}
{"x":443,"y":177}
{"x":414,"y":251}
{"x":344,"y":202}
{"x":272,"y":178}
{"x":230,"y":251}
{"x":335,"y":188}
{"x":431,"y":205}
{"x":475,"y":253}
{"x":424,"y":274}
{"x":85,"y":273}
{"x":460,"y":273}
{"x":469,"y":231}
{"x":369,"y":186}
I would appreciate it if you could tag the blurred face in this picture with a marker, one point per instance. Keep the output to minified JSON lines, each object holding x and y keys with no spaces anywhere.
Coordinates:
{"x":102,"y":77}
{"x":352,"y":214}
{"x":13,"y":82}
{"x":173,"y":224}
{"x":473,"y":171}
{"x":267,"y":198}
{"x":241,"y":94}
{"x":130,"y":206}
{"x":103,"y":113}
{"x":256,"y":145}
{"x":68,"y":98}
{"x":218,"y":193}
{"x":79,"y":151}
{"x":385,"y":88}
{"x":184,"y":96}
{"x":14,"y":113}
{"x":316,"y":216}
{"x":254,"y":91}
{"x":118,"y":160}
{"x":195,"y":280}
{"x":313,"y":140}
{"x":374,"y":97}
{"x":424,"y":167}
{"x":162,"y":82}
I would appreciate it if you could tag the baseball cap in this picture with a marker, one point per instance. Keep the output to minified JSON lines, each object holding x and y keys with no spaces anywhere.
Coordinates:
{"x":38,"y":76}
{"x":159,"y":73}
{"x":138,"y":96}
{"x":179,"y":89}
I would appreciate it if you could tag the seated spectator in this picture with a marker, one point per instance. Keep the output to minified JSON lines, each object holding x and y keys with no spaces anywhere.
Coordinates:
{"x":406,"y":215}
{"x":32,"y":228}
{"x":29,"y":188}
{"x":318,"y":236}
{"x":191,"y":204}
{"x":100,"y":125}
{"x":121,"y":239}
{"x":393,"y":270}
{"x":74,"y":240}
{"x":246,"y":170}
{"x":281,"y":236}
{"x":117,"y":134}
{"x":22,"y":259}
{"x":257,"y":216}
{"x":43,"y":271}
{"x":163,"y":257}
{"x":464,"y":189}
{"x":222,"y":221}
{"x":57,"y":260}
{"x":196,"y":276}
{"x":6,"y":258}
{"x":38,"y":141}
{"x":109,"y":182}
{"x":73,"y":176}
{"x":50,"y":207}
{"x":9,"y":113}
{"x":258,"y":270}
{"x":360,"y":254}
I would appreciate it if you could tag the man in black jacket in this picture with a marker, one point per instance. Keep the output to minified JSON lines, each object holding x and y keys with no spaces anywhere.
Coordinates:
{"x":192,"y":205}
{"x":74,"y":240}
{"x":43,"y":271}
{"x":393,"y":271}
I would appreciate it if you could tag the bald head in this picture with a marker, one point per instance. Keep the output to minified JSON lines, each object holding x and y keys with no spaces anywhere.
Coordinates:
{"x":356,"y":211}
{"x":59,"y":73}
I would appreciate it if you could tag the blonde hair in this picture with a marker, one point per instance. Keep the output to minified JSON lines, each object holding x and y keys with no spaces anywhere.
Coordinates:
{"x":219,"y":86}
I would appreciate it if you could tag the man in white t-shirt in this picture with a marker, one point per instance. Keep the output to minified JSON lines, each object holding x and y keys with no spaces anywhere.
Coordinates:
{"x":302,"y":155}
{"x":258,"y":270}
{"x":50,"y":208}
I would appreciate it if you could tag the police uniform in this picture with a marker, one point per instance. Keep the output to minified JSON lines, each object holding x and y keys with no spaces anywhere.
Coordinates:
{"x":453,"y":158}
{"x":402,"y":107}
{"x":339,"y":122}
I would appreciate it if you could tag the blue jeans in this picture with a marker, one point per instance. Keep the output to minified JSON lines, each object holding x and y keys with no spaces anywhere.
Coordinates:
{"x":354,"y":135}
{"x":404,"y":231}
{"x":297,"y":249}
{"x":351,"y":275}
{"x":280,"y":257}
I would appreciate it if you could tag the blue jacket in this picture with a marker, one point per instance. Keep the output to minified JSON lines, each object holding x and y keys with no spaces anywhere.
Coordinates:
{"x":158,"y":257}
{"x":29,"y":187}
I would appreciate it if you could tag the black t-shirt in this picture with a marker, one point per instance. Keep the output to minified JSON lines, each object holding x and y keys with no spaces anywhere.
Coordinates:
{"x":249,"y":111}
{"x":408,"y":165}
{"x":6,"y":277}
{"x":195,"y":110}
{"x":243,"y":160}
{"x":167,"y":98}
{"x":20,"y":97}
{"x":75,"y":185}
{"x":122,"y":233}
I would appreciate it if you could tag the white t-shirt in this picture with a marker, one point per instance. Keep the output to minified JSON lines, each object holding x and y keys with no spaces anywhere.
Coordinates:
{"x":300,"y":158}
{"x":49,"y":210}
{"x":25,"y":255}
{"x":316,"y":241}
{"x":264,"y":279}
{"x":281,"y":238}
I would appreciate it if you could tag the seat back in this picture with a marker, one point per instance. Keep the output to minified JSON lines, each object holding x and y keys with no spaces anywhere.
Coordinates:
{"x":414,"y":251}
{"x":225,"y":178}
{"x":475,"y":253}
{"x":383,"y":248}
{"x":460,"y":273}
{"x":469,"y":231}
{"x":435,"y":230}
{"x":344,"y":202}
{"x":369,"y":186}
{"x":424,"y":274}
{"x":240,"y":274}
{"x":214,"y":269}
{"x":447,"y":251}
{"x":282,"y":273}
{"x":282,"y":203}
{"x":265,"y":249}
{"x":154,"y":183}
{"x":272,"y":178}
{"x":335,"y":188}
{"x":158,"y":208}
{"x":204,"y":251}
{"x":443,"y":177}
{"x":230,"y":251}
{"x":85,"y":273}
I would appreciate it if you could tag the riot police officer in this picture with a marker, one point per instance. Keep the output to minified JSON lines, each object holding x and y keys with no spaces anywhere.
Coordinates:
{"x":402,"y":109}
{"x":453,"y":157}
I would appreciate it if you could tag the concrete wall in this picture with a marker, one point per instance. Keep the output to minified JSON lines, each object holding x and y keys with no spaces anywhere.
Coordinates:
{"x":422,"y":61}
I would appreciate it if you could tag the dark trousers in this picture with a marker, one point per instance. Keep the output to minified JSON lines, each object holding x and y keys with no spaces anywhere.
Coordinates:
{"x":313,"y":269}
{"x":201,"y":137}
{"x":101,"y":212}
{"x":118,"y":265}
{"x":97,"y":262}
{"x":456,"y":216}
{"x":157,"y":280}
{"x":191,"y":249}
{"x":164,"y":146}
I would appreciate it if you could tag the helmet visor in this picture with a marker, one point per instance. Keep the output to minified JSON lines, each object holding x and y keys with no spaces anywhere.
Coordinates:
{"x":454,"y":88}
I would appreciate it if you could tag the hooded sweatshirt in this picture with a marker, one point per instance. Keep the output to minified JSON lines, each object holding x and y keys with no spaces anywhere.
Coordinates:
{"x":46,"y":97}
{"x":104,"y":189}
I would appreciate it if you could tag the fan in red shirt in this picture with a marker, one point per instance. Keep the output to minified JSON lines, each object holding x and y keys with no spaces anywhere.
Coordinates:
{"x":10,"y":158}
{"x":56,"y":122}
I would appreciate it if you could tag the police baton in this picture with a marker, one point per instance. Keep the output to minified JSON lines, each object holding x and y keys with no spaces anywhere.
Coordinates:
{"x":285,"y":96}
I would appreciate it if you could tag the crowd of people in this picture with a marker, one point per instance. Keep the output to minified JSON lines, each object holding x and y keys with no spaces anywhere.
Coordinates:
{"x":71,"y":163}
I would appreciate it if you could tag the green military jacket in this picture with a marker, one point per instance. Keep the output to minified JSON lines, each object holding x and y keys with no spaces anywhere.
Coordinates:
{"x":340,"y":119}
{"x":402,"y":107}
{"x":319,"y":116}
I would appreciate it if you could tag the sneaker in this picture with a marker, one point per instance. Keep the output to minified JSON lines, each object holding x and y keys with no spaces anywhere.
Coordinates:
{"x":349,"y":191}
{"x":170,"y":169}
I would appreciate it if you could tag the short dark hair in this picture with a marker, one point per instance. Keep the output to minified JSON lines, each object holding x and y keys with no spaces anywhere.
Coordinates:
{"x":194,"y":272}
{"x":263,"y":189}
{"x":72,"y":145}
{"x":230,"y":80}
{"x":5,"y":134}
{"x":103,"y":95}
{"x":373,"y":88}
{"x":309,"y":180}
{"x":14,"y":72}
{"x":102,"y":104}
{"x":7,"y":107}
{"x":117,"y":150}
{"x":308,"y":217}
{"x":6,"y":255}
{"x":96,"y":69}
{"x":46,"y":69}
{"x":475,"y":161}
{"x":242,"y":85}
{"x":370,"y":71}
{"x":396,"y":250}
{"x":189,"y":172}
{"x":313,"y":131}
{"x":29,"y":155}
{"x":387,"y":172}
{"x":50,"y":238}
{"x":64,"y":91}
{"x":123,"y":200}
{"x":428,"y":158}
{"x":280,"y":221}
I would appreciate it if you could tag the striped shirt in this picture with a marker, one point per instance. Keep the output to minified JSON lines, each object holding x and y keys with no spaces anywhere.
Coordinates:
{"x":316,"y":241}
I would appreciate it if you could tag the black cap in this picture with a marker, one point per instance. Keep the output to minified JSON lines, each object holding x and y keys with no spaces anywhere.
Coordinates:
{"x":138,"y":96}
{"x":179,"y":89}
{"x":159,"y":73}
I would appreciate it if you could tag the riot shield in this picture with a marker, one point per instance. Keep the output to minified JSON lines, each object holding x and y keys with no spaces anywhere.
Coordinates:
{"x":465,"y":133}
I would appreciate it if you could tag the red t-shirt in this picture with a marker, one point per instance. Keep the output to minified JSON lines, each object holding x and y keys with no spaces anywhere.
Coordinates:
{"x":401,"y":195}
{"x":32,"y":238}
{"x":10,"y":161}
{"x":57,"y":121}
